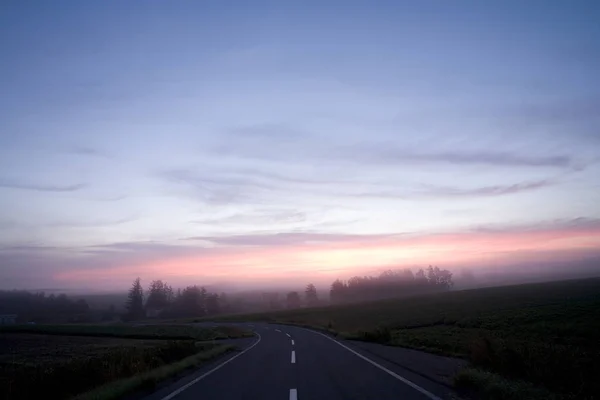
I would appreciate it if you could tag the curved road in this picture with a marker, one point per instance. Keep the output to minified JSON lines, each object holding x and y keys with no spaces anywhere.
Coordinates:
{"x":290,"y":363}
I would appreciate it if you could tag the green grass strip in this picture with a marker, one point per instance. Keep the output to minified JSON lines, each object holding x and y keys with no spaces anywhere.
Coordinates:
{"x":150,"y":379}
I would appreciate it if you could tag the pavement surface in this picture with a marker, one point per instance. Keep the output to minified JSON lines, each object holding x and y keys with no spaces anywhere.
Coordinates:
{"x":292,"y":363}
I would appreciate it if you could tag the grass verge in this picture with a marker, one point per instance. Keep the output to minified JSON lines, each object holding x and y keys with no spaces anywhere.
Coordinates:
{"x":27,"y":377}
{"x":487,"y":385}
{"x":149,"y":380}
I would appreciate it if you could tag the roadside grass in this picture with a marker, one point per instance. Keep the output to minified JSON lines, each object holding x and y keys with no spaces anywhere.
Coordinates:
{"x":149,"y":380}
{"x":27,"y":376}
{"x":105,"y":361}
{"x":163,"y":332}
{"x":64,"y":361}
{"x":545,"y":334}
{"x":490,"y":386}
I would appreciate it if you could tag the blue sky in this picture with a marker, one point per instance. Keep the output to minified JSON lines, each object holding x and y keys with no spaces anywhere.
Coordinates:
{"x":132,"y":127}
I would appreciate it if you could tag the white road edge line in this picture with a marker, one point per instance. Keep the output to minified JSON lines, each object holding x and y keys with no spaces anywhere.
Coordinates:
{"x":181,"y":389}
{"x":277,"y":330}
{"x":293,"y":342}
{"x":293,"y":357}
{"x":288,"y":335}
{"x":381,"y":367}
{"x":293,"y":394}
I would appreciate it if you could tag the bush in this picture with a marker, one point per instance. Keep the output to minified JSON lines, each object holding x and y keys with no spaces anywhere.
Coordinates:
{"x":379,"y":335}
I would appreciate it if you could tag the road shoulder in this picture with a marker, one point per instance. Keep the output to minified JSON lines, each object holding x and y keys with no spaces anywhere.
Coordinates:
{"x":439,"y":369}
{"x":168,"y":386}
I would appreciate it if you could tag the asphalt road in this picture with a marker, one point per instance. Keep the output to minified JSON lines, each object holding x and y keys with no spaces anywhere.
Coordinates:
{"x":290,"y":363}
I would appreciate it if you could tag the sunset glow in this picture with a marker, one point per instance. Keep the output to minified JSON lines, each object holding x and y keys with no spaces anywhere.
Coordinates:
{"x":340,"y":259}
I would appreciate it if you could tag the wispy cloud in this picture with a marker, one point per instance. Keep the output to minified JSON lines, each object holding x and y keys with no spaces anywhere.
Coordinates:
{"x":89,"y":224}
{"x":263,"y":147}
{"x":497,"y":190}
{"x":287,"y":239}
{"x":88,"y":151}
{"x":559,"y":225}
{"x":268,"y":131}
{"x":139,"y":247}
{"x":220,"y":186}
{"x":204,"y":176}
{"x":386,"y":154}
{"x":13,"y":184}
{"x":434,"y":191}
{"x":213,"y":185}
{"x":256,"y":218}
{"x":110,"y":199}
{"x":215,"y":189}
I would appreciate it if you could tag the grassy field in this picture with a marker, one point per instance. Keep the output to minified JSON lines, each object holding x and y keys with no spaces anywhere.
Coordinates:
{"x":110,"y":361}
{"x":544,"y":334}
{"x":168,"y":332}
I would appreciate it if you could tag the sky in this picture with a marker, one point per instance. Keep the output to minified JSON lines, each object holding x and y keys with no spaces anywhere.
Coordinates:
{"x":263,"y":143}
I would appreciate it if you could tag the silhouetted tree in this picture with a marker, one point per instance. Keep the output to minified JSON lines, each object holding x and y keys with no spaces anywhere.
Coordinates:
{"x":421,"y":278}
{"x":170,"y":294}
{"x":212,"y":304}
{"x":338,"y":292}
{"x":390,"y":283}
{"x":191,"y":302}
{"x":310,"y":295}
{"x":293,"y":300}
{"x":439,"y":278}
{"x":224,"y":305}
{"x":272,"y":300}
{"x":159,"y":294}
{"x":41,"y":308}
{"x":135,"y":301}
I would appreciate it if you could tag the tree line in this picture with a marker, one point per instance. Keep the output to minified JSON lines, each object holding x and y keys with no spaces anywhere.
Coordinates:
{"x":294,"y":300}
{"x":390,"y":283}
{"x":40,"y":307}
{"x":160,"y":300}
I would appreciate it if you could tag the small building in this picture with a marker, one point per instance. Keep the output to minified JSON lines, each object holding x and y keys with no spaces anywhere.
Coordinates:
{"x":8,"y":319}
